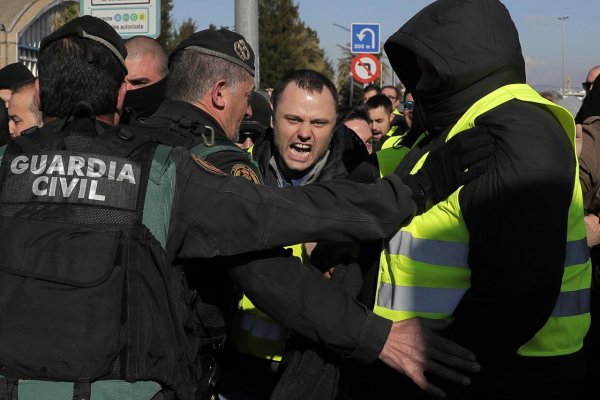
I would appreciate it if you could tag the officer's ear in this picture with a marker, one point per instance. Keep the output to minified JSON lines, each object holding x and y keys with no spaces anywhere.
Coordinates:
{"x":121,"y":98}
{"x":38,"y":98}
{"x":217,"y":94}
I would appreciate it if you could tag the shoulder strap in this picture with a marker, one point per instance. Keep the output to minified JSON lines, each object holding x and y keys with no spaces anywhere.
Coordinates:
{"x":119,"y":141}
{"x":203,"y":151}
{"x":159,"y":194}
{"x":45,"y":138}
{"x":190,"y":130}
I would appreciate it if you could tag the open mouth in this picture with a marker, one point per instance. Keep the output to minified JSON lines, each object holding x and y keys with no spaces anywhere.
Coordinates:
{"x":300,"y":151}
{"x":301,"y":147}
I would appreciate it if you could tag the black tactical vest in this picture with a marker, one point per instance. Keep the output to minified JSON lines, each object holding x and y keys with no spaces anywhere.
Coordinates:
{"x":88,"y":292}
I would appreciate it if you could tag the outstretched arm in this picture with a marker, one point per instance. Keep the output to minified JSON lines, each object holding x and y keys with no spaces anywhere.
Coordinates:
{"x":300,"y":298}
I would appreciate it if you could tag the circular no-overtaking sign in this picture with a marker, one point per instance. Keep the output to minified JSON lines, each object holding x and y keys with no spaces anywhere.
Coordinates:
{"x":365,"y":68}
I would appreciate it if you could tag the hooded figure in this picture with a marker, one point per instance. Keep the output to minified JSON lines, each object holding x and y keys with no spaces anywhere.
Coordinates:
{"x":495,"y":254}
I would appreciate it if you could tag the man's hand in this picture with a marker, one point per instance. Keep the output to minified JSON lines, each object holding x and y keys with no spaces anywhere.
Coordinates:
{"x":413,"y":347}
{"x":457,"y":162}
{"x":592,"y":229}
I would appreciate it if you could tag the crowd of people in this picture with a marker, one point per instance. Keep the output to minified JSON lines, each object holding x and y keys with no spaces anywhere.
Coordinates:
{"x":169,"y":231}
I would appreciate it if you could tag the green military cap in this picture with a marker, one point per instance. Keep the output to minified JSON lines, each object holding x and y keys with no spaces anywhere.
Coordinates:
{"x":90,"y":28}
{"x":221,"y":43}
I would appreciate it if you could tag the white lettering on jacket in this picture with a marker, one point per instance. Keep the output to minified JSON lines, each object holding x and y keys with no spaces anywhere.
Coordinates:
{"x":69,"y":175}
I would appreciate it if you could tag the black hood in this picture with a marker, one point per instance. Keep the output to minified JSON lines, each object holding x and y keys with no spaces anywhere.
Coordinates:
{"x":473,"y":47}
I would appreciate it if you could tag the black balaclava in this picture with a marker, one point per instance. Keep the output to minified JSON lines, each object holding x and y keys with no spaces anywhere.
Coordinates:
{"x":144,"y":102}
{"x":591,"y":103}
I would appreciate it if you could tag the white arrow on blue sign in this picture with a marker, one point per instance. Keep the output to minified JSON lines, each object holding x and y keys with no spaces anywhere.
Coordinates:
{"x":365,"y":38}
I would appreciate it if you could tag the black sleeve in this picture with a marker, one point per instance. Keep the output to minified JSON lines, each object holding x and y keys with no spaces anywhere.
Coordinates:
{"x":212,"y":209}
{"x":367,"y":171}
{"x":516,"y":215}
{"x":300,"y":298}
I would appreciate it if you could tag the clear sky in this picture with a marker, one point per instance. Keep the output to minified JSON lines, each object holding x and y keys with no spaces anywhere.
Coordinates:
{"x":537,"y":21}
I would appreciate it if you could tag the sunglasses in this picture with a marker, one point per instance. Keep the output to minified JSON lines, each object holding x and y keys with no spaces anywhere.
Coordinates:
{"x":242,"y":136}
{"x":408,"y":105}
{"x":587,"y":85}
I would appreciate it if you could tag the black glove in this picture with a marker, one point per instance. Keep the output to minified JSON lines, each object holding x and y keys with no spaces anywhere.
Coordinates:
{"x":444,"y":170}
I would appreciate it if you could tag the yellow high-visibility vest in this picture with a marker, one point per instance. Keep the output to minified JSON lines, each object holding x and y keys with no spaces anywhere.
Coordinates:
{"x":424,"y":271}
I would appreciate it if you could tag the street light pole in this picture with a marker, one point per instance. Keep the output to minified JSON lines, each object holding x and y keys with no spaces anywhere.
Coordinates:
{"x":562,"y":20}
{"x":350,"y":77}
{"x":246,"y":24}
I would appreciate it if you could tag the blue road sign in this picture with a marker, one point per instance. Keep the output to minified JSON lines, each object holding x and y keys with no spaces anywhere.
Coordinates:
{"x":365,"y":38}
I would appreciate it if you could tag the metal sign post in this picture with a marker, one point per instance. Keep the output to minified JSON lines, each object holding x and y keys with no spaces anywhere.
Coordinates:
{"x":128,"y":17}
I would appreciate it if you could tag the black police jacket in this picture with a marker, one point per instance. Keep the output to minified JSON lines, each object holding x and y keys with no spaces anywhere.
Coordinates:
{"x":207,"y":209}
{"x":178,"y":123}
{"x":277,"y":273}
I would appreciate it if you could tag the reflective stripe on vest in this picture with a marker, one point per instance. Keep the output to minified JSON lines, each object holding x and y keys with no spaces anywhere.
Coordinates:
{"x":424,"y":270}
{"x":257,"y":333}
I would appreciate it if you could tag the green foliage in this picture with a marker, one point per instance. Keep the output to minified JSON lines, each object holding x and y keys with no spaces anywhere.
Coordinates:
{"x":286,"y":43}
{"x":166,"y":31}
{"x":65,"y":13}
{"x":184,"y":31}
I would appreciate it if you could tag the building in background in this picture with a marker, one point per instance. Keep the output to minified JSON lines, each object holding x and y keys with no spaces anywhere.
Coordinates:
{"x":23,"y":24}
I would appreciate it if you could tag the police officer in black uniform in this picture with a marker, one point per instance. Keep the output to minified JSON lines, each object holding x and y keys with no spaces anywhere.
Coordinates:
{"x":208,"y":89}
{"x":92,"y":216}
{"x":210,"y":81}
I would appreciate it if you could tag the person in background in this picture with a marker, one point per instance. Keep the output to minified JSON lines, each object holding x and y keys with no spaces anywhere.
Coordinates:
{"x":23,"y":110}
{"x":369,"y":91}
{"x":392,"y":93}
{"x":11,"y":75}
{"x":254,"y":126}
{"x":408,"y":104}
{"x":357,"y":119}
{"x":147,"y":69}
{"x":380,"y":114}
{"x":588,"y":119}
{"x":591,"y":77}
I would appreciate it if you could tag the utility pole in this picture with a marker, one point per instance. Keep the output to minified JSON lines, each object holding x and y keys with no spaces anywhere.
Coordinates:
{"x":246,"y":24}
{"x":563,"y":19}
{"x":350,"y":77}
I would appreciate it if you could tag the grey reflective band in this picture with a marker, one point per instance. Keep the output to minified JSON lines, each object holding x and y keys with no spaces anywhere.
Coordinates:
{"x":261,"y":328}
{"x":452,"y":254}
{"x":577,"y":252}
{"x":419,"y":299}
{"x":576,"y":302}
{"x":213,"y":53}
{"x":106,"y":44}
{"x":438,"y":252}
{"x":444,"y":300}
